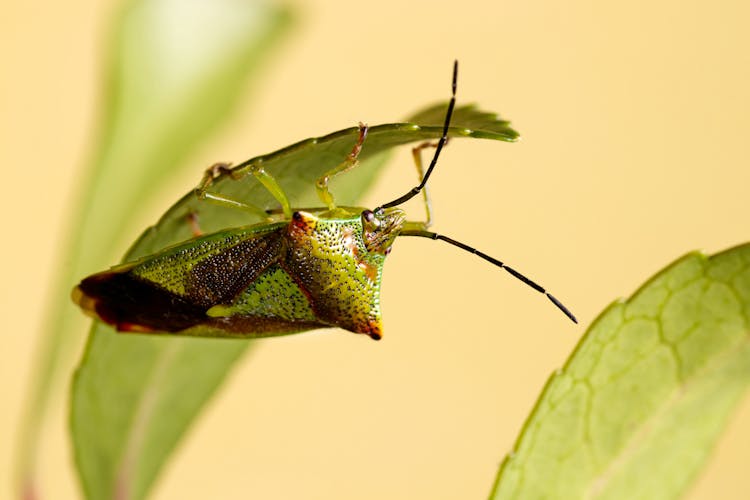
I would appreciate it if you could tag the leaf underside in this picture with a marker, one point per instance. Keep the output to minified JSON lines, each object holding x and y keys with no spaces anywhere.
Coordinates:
{"x":134,"y":395}
{"x":643,"y":398}
{"x":297,"y":167}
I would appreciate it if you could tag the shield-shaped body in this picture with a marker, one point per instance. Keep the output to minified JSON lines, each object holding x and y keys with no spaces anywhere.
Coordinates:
{"x":262,"y":280}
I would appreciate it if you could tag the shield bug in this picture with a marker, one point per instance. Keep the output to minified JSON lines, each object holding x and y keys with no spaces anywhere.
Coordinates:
{"x":307,"y":269}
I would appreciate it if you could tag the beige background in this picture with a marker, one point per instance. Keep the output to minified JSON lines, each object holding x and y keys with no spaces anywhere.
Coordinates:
{"x":635,"y":149}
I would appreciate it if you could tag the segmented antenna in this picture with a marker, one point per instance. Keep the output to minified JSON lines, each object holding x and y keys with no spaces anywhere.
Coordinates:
{"x":443,"y":139}
{"x":492,"y":260}
{"x":427,"y":234}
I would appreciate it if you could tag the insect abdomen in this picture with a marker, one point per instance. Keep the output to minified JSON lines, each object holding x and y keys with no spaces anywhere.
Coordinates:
{"x":132,"y":304}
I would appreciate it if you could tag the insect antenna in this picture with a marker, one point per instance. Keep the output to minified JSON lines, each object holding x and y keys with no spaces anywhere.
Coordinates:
{"x":492,"y":260}
{"x":443,"y":139}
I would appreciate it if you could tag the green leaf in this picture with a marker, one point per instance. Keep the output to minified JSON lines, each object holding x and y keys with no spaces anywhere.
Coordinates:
{"x":176,"y":70}
{"x":643,"y":398}
{"x":297,"y":167}
{"x":134,"y":396}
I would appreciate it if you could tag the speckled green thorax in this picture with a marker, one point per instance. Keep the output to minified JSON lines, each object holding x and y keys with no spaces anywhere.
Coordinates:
{"x":329,"y":260}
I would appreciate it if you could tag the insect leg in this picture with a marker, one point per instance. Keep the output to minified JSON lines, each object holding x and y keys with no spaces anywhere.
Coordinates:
{"x":416,"y":153}
{"x":192,"y":218}
{"x":273,"y":187}
{"x":349,"y":163}
{"x":219,"y":169}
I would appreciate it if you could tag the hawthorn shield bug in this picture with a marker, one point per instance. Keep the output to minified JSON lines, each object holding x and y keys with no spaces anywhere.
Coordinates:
{"x":311,"y":268}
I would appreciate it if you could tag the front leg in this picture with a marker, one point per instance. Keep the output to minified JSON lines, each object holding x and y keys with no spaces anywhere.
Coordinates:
{"x":218,"y":169}
{"x":349,"y":163}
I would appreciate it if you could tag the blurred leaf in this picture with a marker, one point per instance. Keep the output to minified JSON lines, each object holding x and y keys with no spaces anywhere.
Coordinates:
{"x":176,"y":69}
{"x":180,"y":67}
{"x":134,"y":396}
{"x":643,"y":398}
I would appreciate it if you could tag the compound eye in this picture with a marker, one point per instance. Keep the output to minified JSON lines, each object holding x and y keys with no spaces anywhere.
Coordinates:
{"x":369,"y":219}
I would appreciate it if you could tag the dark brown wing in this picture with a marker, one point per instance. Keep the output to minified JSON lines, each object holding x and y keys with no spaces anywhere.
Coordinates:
{"x":172,"y":290}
